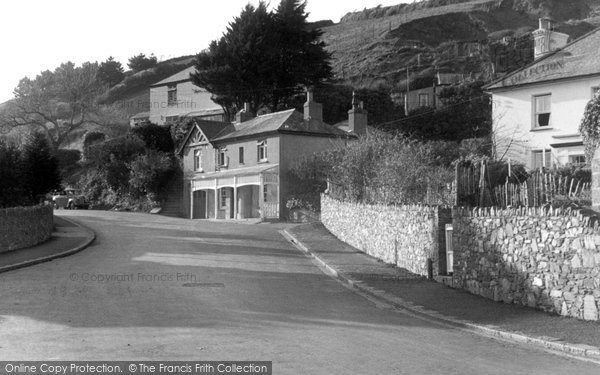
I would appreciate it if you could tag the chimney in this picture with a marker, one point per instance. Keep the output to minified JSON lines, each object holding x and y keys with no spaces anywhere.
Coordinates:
{"x":546,"y":39}
{"x":312,"y":109}
{"x":357,"y":117}
{"x":244,"y":115}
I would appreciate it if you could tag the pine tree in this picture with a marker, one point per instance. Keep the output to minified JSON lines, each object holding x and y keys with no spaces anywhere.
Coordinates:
{"x":264,"y":58}
{"x":111,"y":72}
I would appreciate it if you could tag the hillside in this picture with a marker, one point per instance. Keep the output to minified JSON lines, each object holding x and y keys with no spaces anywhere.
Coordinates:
{"x":373,"y":47}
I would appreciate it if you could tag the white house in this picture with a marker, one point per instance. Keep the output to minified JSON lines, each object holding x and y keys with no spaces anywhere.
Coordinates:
{"x":537,"y":109}
{"x":177,"y":97}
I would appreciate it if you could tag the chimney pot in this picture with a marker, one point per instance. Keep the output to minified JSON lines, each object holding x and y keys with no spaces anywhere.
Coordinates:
{"x":245,"y":114}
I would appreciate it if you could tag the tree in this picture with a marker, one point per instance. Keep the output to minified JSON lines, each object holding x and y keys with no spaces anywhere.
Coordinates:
{"x":111,"y":72}
{"x":264,"y":58}
{"x":140,"y":62}
{"x":11,"y":192}
{"x":39,"y":167}
{"x":155,"y":137}
{"x":590,"y":127}
{"x":151,"y":173}
{"x":57,"y":103}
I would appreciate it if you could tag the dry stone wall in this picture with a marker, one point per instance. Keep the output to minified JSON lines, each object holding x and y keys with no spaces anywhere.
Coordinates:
{"x":539,"y":257}
{"x":406,"y":236}
{"x":22,"y":227}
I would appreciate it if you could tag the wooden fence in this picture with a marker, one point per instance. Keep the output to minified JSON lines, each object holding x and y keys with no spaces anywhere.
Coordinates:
{"x":476,"y":186}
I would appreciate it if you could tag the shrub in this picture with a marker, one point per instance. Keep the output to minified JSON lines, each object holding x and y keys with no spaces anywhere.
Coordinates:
{"x":151,"y":174}
{"x":11,"y":190}
{"x":590,"y":127}
{"x":155,"y":137}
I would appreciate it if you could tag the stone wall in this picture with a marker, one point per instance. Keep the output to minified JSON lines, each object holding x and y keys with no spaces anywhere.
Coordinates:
{"x":542,"y":258}
{"x":22,"y":227}
{"x":406,"y":236}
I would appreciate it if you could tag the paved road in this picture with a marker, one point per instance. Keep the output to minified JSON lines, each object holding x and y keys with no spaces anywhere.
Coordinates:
{"x":178,"y":289}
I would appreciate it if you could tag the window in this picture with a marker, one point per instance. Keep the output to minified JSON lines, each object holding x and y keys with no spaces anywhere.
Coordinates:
{"x":423,"y":100}
{"x":222,"y":157}
{"x":223,"y":197}
{"x":577,"y":159}
{"x":265,"y":193}
{"x":262,"y":150}
{"x":198,"y":160}
{"x":241,"y":155}
{"x":542,"y":158}
{"x":542,"y":105}
{"x":171,"y":95}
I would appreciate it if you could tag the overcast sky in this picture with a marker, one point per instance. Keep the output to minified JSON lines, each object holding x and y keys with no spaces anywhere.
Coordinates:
{"x":39,"y":35}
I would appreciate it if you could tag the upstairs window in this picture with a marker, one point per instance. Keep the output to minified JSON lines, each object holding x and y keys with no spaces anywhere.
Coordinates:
{"x":241,"y":155}
{"x":198,"y":160}
{"x":423,"y":100}
{"x":262,"y":151}
{"x":172,"y":95}
{"x":222,"y":158}
{"x":542,"y":106}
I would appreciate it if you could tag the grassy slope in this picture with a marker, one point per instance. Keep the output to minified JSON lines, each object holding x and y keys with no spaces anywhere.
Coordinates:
{"x":370,"y":47}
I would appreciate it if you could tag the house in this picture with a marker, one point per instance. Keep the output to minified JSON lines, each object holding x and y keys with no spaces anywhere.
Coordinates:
{"x":537,"y":109}
{"x":176,"y":97}
{"x":427,"y":96}
{"x":239,"y":170}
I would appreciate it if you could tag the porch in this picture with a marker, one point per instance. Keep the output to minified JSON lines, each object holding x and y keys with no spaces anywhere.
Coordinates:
{"x":241,"y":194}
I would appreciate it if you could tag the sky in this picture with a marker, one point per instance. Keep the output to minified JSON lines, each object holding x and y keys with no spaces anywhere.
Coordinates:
{"x":40,"y":35}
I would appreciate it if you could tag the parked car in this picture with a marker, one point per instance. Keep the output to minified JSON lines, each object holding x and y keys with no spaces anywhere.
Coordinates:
{"x":69,"y":198}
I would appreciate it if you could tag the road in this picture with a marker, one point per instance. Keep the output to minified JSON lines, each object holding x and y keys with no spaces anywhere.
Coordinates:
{"x":159,"y":288}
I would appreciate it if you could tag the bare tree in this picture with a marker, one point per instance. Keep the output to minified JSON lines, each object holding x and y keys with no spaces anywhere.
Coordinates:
{"x":57,"y":103}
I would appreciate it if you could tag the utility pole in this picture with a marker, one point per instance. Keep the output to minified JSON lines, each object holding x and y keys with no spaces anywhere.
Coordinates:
{"x":407,"y":91}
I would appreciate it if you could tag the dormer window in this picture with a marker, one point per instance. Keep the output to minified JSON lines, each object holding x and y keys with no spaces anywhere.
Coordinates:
{"x":171,"y":95}
{"x":262,"y":151}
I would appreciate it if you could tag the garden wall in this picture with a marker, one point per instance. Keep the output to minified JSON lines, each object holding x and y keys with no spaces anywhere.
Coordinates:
{"x":22,"y":227}
{"x":406,"y":236}
{"x":539,"y":257}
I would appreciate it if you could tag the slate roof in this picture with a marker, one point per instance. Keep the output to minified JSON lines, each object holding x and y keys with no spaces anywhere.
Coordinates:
{"x":183,"y":75}
{"x":290,"y":121}
{"x":579,"y":58}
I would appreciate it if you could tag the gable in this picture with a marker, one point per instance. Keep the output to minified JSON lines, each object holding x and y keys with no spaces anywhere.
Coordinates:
{"x":197,"y":137}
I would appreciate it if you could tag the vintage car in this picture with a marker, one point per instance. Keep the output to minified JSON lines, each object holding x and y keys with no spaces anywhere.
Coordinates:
{"x":69,"y":198}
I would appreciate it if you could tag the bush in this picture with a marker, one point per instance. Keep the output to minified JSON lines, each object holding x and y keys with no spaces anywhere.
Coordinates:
{"x":590,"y":127}
{"x":379,"y":168}
{"x":151,"y":173}
{"x":155,"y":137}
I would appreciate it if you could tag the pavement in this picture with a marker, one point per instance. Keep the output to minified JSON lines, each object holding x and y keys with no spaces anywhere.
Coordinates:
{"x":68,"y":238}
{"x":438,"y":302}
{"x":158,"y":288}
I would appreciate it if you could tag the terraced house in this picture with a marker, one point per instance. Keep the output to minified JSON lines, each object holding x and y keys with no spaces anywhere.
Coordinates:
{"x":239,"y":170}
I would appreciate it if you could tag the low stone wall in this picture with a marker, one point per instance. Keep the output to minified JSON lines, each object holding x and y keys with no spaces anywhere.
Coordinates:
{"x":406,"y":236}
{"x":22,"y":227}
{"x":542,"y":258}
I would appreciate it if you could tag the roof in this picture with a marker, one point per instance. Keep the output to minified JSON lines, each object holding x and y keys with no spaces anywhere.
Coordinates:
{"x":181,"y":76}
{"x":289,"y":121}
{"x":141,"y":115}
{"x":579,"y":58}
{"x":205,"y":112}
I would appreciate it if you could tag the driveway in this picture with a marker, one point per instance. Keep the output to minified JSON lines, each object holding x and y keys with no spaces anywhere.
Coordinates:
{"x":159,"y":288}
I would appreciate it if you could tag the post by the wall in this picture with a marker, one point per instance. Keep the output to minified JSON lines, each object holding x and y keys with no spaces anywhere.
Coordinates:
{"x":444,"y":217}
